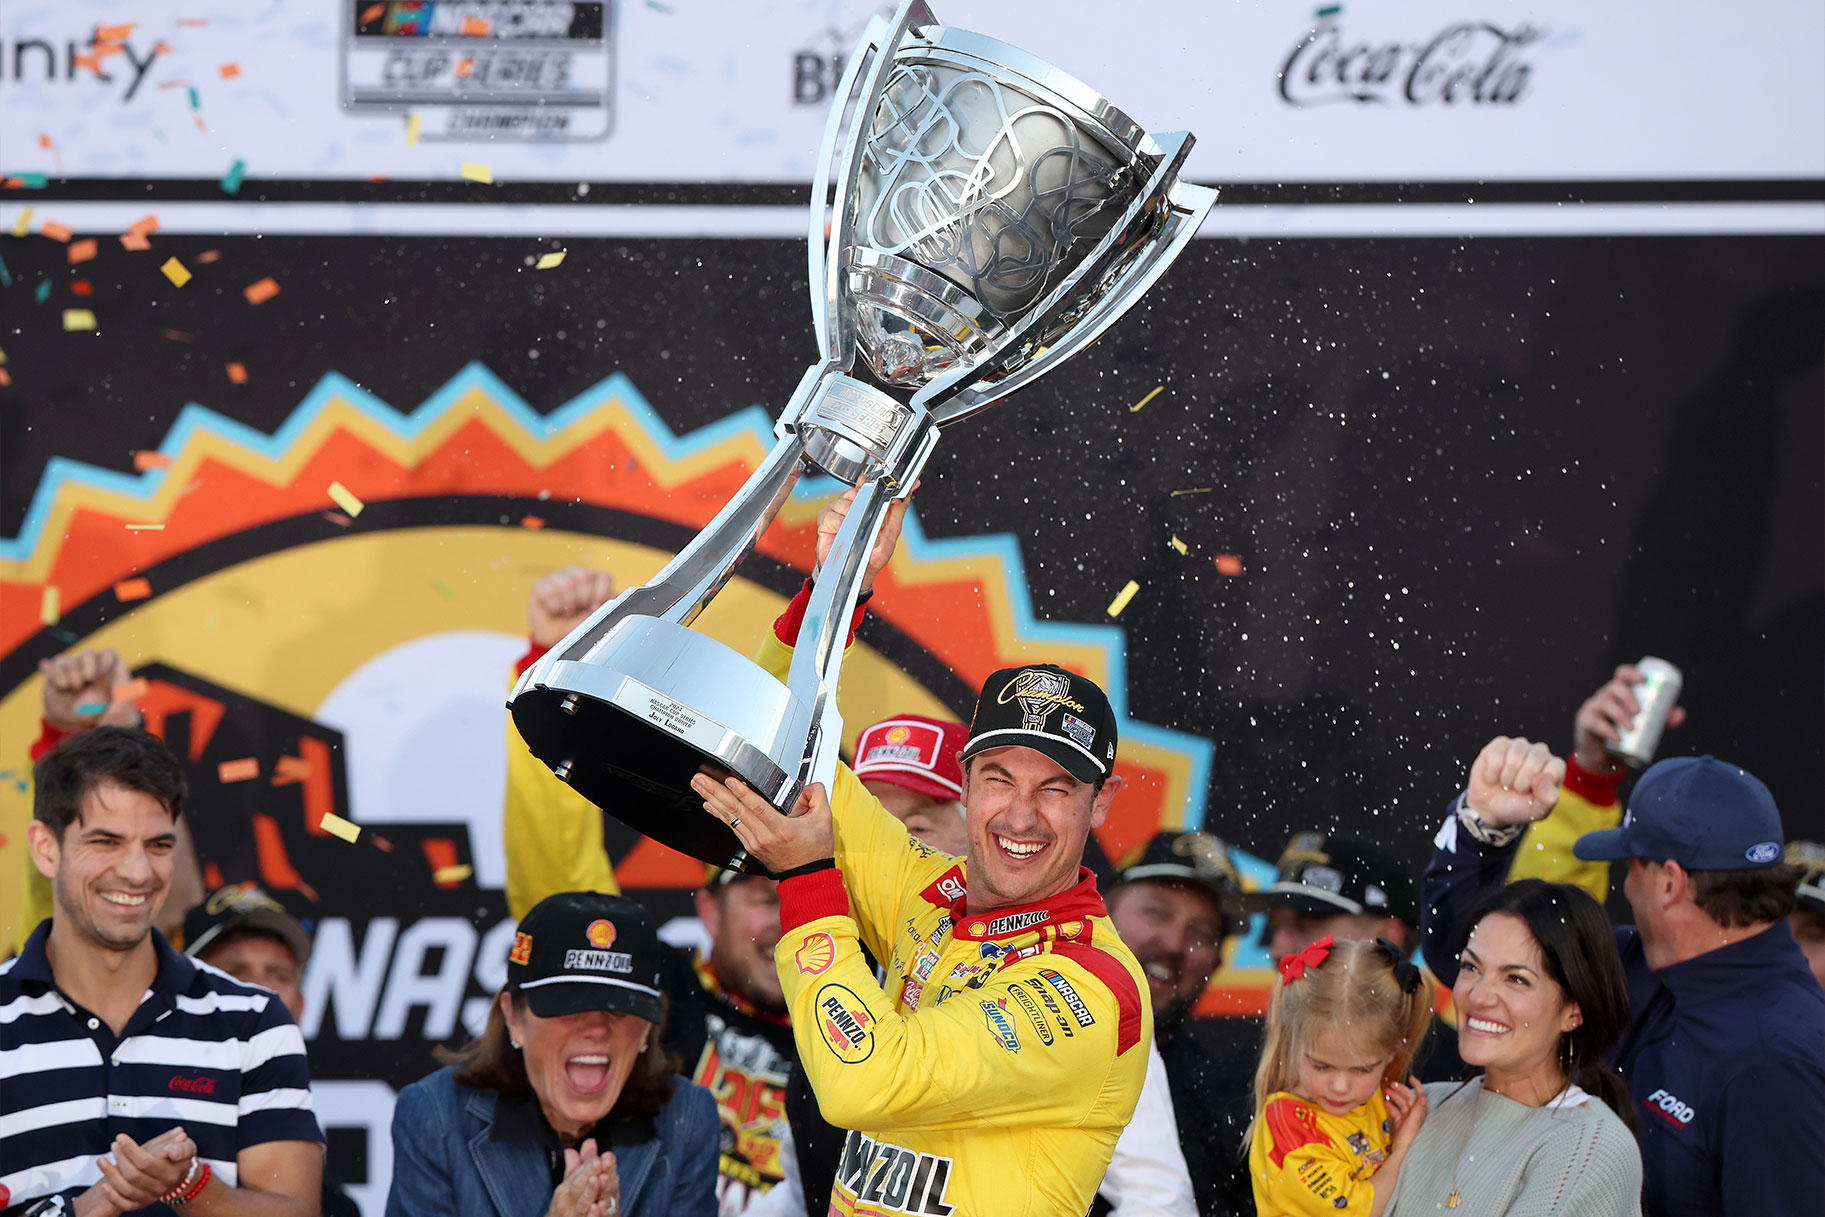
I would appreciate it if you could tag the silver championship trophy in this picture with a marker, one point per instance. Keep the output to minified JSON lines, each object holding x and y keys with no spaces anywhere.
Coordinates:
{"x":988,"y":217}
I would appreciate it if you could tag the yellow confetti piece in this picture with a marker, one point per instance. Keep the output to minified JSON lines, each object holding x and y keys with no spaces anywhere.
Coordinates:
{"x":1194,"y":490}
{"x":414,"y":124}
{"x":336,"y":826}
{"x":145,"y":528}
{"x":50,"y":605}
{"x":475,"y":171}
{"x":547,"y":261}
{"x":78,"y":319}
{"x":176,"y":271}
{"x":345,"y":500}
{"x":1122,"y":598}
{"x":1180,"y":546}
{"x":23,"y":224}
{"x":451,"y":874}
{"x":2,"y":356}
{"x":1136,"y":407}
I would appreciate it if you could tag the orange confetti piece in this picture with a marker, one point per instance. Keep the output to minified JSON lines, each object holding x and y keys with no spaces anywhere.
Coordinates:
{"x":237,"y":373}
{"x":6,"y":378}
{"x":179,"y":336}
{"x":230,"y":71}
{"x":209,"y":255}
{"x":532,"y":522}
{"x":132,"y":589}
{"x":381,"y":843}
{"x":55,"y":231}
{"x":135,"y":241}
{"x":373,"y":12}
{"x":243,"y":770}
{"x":115,"y":33}
{"x":133,"y":690}
{"x":291,"y":768}
{"x":82,"y":251}
{"x":144,"y":226}
{"x":476,"y":27}
{"x":465,"y":68}
{"x":81,"y":287}
{"x":44,"y":141}
{"x":145,"y":459}
{"x":1229,"y":564}
{"x":261,"y":292}
{"x":337,"y":518}
{"x":192,"y":22}
{"x":174,"y":84}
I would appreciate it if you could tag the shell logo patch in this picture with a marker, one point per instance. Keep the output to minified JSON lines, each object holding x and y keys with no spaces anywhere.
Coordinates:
{"x":522,"y":949}
{"x":898,"y":735}
{"x":815,"y":955}
{"x":601,"y":933}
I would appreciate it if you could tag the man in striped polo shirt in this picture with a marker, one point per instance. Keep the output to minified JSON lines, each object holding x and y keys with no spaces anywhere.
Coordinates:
{"x":130,"y":1074}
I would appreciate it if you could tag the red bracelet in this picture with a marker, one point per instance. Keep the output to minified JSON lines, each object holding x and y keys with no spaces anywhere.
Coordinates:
{"x":192,"y":1186}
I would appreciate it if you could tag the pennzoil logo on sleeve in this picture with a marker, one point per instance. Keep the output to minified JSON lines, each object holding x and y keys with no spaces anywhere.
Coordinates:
{"x":846,"y":1023}
{"x":884,"y":1178}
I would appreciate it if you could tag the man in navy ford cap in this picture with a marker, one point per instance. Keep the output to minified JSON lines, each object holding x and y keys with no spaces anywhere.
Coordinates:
{"x":1723,"y":1046}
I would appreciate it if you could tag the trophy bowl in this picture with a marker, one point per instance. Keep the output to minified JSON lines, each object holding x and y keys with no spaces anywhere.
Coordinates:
{"x":981,"y":218}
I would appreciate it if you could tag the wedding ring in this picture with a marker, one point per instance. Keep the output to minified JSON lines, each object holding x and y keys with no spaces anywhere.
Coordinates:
{"x":612,"y":1207}
{"x":735,"y":823}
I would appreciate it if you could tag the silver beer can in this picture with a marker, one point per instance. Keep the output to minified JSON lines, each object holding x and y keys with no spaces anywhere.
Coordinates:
{"x":1658,"y":693}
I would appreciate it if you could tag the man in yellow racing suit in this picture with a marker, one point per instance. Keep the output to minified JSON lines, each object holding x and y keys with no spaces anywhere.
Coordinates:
{"x":994,"y":1070}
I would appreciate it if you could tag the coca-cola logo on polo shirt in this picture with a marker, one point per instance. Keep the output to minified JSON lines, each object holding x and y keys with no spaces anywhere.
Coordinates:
{"x":1465,"y":63}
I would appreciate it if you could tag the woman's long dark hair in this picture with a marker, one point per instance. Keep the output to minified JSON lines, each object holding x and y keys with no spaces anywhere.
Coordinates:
{"x":491,"y":1062}
{"x":1579,"y":948}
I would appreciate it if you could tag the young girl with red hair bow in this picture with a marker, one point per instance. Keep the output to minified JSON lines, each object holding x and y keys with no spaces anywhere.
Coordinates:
{"x":1333,"y":1119}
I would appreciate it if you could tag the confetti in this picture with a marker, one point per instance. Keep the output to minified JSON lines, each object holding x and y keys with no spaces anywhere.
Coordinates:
{"x":83,"y":250}
{"x":6,"y":378}
{"x":414,"y":124}
{"x":192,"y":22}
{"x":291,"y":769}
{"x":373,"y":12}
{"x":179,"y":336}
{"x":43,"y":293}
{"x":1122,"y":598}
{"x":465,"y":68}
{"x":244,"y":770}
{"x":345,"y":500}
{"x":475,"y":171}
{"x":50,"y":605}
{"x":134,"y":241}
{"x":237,"y":373}
{"x":381,"y":843}
{"x":176,"y":271}
{"x":532,"y":522}
{"x":145,"y":226}
{"x":81,"y":287}
{"x":209,"y":255}
{"x":90,"y":708}
{"x":55,"y":231}
{"x":146,"y":458}
{"x":1136,"y":407}
{"x":475,"y":27}
{"x":133,"y":690}
{"x":78,"y":319}
{"x":261,"y":292}
{"x":196,"y":103}
{"x":6,"y":276}
{"x":337,"y":518}
{"x":336,"y":826}
{"x":231,"y":181}
{"x":230,"y":71}
{"x":132,"y":589}
{"x":1180,"y":546}
{"x":443,"y":589}
{"x":115,"y":33}
{"x":145,"y":528}
{"x":451,"y":875}
{"x":547,"y":261}
{"x":28,"y":181}
{"x":23,"y":223}
{"x":1194,"y":490}
{"x":1229,"y":564}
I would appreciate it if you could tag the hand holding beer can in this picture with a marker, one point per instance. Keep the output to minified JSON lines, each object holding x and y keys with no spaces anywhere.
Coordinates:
{"x":1657,"y":693}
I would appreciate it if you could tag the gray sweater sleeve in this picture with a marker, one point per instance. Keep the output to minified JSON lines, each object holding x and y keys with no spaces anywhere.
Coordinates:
{"x":1587,"y":1169}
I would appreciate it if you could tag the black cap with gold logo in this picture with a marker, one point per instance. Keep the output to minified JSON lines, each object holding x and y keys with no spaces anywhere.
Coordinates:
{"x":1043,"y":707}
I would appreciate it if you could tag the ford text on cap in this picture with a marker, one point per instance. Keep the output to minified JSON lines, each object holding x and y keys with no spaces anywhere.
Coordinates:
{"x":1056,"y":713}
{"x":582,"y":951}
{"x":913,"y":751}
{"x":1698,"y":811}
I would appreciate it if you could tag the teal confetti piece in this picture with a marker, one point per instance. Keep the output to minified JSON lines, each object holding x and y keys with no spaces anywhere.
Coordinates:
{"x":43,"y":293}
{"x":6,"y":276}
{"x":31,"y":181}
{"x":195,"y":102}
{"x":7,"y":773}
{"x":23,"y":784}
{"x":1330,"y":10}
{"x":62,"y":635}
{"x":231,"y":181}
{"x":91,"y":707}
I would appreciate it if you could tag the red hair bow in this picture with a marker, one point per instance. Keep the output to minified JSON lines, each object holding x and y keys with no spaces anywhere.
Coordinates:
{"x":1292,"y":967}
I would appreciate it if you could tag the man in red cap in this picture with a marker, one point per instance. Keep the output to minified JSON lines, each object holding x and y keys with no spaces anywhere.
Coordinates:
{"x":909,"y":763}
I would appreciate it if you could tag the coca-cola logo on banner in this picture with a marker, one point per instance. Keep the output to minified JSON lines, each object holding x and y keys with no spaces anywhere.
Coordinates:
{"x":1465,"y":63}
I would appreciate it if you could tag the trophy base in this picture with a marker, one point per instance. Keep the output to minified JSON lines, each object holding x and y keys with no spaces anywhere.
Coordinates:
{"x":656,"y":704}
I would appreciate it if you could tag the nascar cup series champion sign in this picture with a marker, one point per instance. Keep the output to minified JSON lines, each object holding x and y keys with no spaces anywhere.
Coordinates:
{"x":989,"y":218}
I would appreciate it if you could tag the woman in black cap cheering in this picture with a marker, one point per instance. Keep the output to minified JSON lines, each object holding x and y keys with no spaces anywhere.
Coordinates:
{"x":564,"y":1106}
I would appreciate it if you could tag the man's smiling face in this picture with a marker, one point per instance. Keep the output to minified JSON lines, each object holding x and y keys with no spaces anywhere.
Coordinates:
{"x":1028,"y":820}
{"x":112,"y":868}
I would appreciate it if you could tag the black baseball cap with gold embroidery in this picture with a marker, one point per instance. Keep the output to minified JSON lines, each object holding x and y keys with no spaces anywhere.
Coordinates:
{"x":1057,"y":713}
{"x":582,"y":951}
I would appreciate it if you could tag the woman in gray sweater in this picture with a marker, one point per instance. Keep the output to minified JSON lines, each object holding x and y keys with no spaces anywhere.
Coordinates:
{"x":1540,"y":998}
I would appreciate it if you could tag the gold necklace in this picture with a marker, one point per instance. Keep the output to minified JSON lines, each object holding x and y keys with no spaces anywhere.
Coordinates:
{"x":1457,"y":1194}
